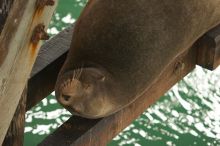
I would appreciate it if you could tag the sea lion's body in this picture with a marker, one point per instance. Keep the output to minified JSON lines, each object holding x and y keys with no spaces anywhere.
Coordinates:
{"x":120,"y":47}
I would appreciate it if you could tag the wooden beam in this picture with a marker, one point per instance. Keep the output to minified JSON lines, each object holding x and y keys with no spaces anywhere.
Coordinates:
{"x":18,"y":53}
{"x":47,"y":66}
{"x":45,"y":78}
{"x":209,"y":49}
{"x":15,"y":134}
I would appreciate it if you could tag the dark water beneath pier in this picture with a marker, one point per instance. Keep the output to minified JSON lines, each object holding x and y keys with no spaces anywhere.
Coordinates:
{"x":187,"y":115}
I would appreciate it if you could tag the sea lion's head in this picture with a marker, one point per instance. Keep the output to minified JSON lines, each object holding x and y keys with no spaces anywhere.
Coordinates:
{"x":86,"y":92}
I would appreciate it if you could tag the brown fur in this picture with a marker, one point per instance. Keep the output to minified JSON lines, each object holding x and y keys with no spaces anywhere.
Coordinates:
{"x":122,"y":46}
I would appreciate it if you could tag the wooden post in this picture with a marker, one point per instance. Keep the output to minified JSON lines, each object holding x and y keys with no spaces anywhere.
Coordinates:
{"x":19,"y":51}
{"x":15,"y":134}
{"x":209,"y":49}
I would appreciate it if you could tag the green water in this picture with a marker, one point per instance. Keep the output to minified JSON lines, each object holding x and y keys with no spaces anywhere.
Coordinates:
{"x":188,"y":114}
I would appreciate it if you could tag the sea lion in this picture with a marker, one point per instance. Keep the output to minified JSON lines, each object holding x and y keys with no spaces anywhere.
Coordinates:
{"x":120,"y":47}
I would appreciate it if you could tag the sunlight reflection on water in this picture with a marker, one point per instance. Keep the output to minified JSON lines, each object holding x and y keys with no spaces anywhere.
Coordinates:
{"x":191,"y":109}
{"x":188,"y":114}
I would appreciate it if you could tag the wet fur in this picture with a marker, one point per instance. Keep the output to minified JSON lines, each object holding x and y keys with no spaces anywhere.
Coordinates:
{"x":134,"y":40}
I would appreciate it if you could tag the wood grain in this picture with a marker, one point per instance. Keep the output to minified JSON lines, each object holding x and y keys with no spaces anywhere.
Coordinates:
{"x":18,"y":55}
{"x":15,"y":134}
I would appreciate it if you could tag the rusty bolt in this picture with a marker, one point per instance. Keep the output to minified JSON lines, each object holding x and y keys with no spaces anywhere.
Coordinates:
{"x":39,"y":34}
{"x":42,"y":3}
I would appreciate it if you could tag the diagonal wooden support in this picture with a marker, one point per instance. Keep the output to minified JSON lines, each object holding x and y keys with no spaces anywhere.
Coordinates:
{"x":18,"y":51}
{"x":46,"y":68}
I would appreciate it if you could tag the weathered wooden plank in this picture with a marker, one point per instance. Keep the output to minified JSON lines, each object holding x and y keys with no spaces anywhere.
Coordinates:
{"x":45,"y":78}
{"x":18,"y":54}
{"x":83,"y":132}
{"x":53,"y":49}
{"x":68,"y":133}
{"x":209,"y":49}
{"x":15,"y":134}
{"x":46,"y":68}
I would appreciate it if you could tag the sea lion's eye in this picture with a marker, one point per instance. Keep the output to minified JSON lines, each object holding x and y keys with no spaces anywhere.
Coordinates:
{"x":66,"y":97}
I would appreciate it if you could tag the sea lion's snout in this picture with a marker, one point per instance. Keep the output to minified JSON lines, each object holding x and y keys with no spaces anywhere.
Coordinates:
{"x":85,"y":94}
{"x":70,"y":91}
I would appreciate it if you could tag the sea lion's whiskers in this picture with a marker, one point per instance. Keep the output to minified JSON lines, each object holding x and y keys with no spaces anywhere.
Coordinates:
{"x":77,"y":74}
{"x":80,"y":72}
{"x":73,"y":77}
{"x":74,"y":74}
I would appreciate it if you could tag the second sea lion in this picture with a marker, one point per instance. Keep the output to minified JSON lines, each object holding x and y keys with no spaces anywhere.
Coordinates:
{"x":120,"y":47}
